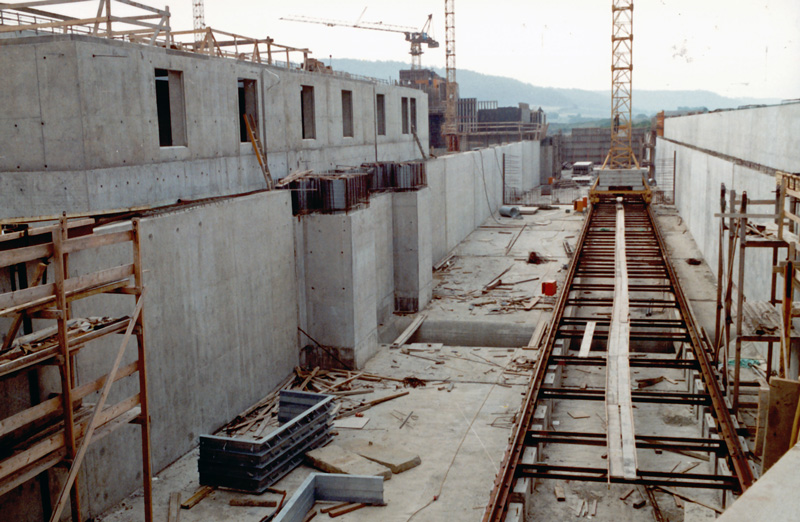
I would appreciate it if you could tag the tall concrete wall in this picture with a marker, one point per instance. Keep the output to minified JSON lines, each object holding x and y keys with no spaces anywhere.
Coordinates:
{"x":79,"y":116}
{"x":764,"y":135}
{"x":221,"y":332}
{"x":741,"y":149}
{"x":467,"y":187}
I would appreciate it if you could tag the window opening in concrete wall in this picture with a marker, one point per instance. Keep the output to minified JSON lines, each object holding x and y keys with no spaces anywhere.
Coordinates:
{"x":380,"y":114}
{"x":171,"y":108}
{"x":413,"y":102}
{"x":307,"y":112}
{"x":248,"y":103}
{"x":347,"y":114}
{"x":404,"y":114}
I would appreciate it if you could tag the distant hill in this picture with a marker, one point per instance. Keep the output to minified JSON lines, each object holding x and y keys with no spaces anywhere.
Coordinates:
{"x":560,"y":104}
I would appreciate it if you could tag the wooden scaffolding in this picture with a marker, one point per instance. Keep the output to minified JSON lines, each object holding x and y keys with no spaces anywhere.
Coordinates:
{"x":58,"y":430}
{"x":774,"y":225}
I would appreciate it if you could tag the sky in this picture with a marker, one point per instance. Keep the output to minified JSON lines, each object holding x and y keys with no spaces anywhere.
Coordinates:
{"x":735,"y":48}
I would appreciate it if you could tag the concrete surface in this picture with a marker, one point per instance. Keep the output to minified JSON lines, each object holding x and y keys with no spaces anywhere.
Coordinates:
{"x":763,"y":135}
{"x":393,"y":458}
{"x":413,"y":281}
{"x":773,"y":497}
{"x":87,"y":137}
{"x":335,"y":459}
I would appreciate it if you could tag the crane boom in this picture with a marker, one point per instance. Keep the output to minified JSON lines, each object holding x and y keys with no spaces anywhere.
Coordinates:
{"x":414,"y":37}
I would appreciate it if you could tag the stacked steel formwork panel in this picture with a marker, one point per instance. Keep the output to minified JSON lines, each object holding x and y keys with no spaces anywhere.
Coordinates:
{"x":254,"y":465}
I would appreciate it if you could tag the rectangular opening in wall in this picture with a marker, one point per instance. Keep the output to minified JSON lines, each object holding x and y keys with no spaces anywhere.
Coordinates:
{"x":404,"y":114}
{"x":347,"y":114}
{"x":307,"y":112}
{"x":248,"y":102}
{"x":170,"y":108}
{"x":413,"y":102}
{"x":380,"y":113}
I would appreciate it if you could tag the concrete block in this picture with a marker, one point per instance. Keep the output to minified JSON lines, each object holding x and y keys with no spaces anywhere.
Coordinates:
{"x":396,"y":459}
{"x":542,"y":415}
{"x":553,"y":379}
{"x":515,"y":513}
{"x":524,"y":486}
{"x":335,"y":459}
{"x":334,"y":488}
{"x":709,"y":425}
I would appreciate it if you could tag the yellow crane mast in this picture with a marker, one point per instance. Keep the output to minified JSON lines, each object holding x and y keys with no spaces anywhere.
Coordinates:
{"x":450,"y":130}
{"x":620,"y":155}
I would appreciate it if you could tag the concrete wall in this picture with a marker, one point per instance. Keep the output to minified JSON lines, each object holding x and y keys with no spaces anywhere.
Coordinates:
{"x":80,"y":120}
{"x":221,"y":332}
{"x":741,"y":149}
{"x":467,"y":187}
{"x":765,"y":135}
{"x":356,"y":268}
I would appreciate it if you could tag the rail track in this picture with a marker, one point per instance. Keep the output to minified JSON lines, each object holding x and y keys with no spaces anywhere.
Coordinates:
{"x":663,"y":338}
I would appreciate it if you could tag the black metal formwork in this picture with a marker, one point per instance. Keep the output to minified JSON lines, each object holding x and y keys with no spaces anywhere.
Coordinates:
{"x":254,"y":465}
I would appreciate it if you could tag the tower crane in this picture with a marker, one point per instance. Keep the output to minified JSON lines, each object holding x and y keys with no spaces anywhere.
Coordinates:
{"x":621,"y":156}
{"x":450,"y":129}
{"x":198,"y":14}
{"x":416,"y":38}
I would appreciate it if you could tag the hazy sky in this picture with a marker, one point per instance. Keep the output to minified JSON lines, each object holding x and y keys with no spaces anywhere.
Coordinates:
{"x":733,"y":47}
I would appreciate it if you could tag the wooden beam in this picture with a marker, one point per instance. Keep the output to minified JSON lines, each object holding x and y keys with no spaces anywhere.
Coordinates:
{"x":49,"y":406}
{"x":12,"y":302}
{"x":586,"y":343}
{"x":78,"y":460}
{"x":409,"y":331}
{"x":619,"y":407}
{"x":783,"y":399}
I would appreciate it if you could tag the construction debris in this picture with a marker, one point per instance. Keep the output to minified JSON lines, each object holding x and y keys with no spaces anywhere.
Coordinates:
{"x":644,"y":383}
{"x":331,"y":487}
{"x":392,"y":457}
{"x":201,"y":493}
{"x":558,"y":491}
{"x":336,"y":459}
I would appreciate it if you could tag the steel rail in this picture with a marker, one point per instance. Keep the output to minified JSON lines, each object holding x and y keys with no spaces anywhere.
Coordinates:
{"x":741,"y":466}
{"x":648,"y":261}
{"x":501,"y":491}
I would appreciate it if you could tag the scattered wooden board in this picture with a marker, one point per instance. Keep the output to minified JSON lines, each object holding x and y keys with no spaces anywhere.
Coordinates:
{"x":201,"y":493}
{"x":174,"y":513}
{"x":586,"y":343}
{"x":409,"y":331}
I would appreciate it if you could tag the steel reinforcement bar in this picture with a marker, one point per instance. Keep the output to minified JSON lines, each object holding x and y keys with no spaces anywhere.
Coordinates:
{"x":653,"y":285}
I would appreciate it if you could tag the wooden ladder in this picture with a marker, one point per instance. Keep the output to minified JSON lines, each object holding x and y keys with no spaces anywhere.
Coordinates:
{"x":252,"y":132}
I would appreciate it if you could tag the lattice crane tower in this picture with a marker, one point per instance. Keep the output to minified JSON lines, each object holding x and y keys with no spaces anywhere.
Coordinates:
{"x":199,"y":16}
{"x":621,"y":156}
{"x":451,"y":107}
